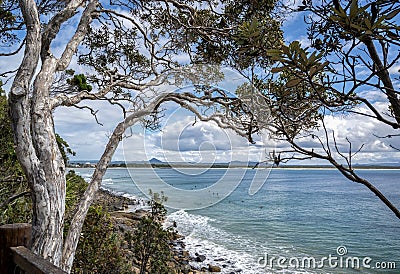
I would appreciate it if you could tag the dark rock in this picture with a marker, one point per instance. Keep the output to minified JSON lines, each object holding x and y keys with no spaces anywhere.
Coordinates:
{"x":219,"y":260}
{"x":200,"y":258}
{"x":139,"y":214}
{"x":214,"y":268}
{"x":186,"y":269}
{"x":119,"y":207}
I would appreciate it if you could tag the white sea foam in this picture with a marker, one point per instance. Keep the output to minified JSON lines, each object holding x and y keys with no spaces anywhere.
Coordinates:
{"x":108,"y":181}
{"x":86,"y":177}
{"x":199,"y":235}
{"x":202,"y":238}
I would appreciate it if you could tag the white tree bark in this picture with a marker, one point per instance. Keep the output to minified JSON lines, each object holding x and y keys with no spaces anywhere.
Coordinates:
{"x":33,"y":126}
{"x":49,"y":188}
{"x":32,"y":105}
{"x":78,"y":219}
{"x":39,"y":156}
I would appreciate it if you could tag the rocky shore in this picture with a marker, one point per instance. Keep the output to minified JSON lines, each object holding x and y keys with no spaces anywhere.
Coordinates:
{"x":127,"y":213}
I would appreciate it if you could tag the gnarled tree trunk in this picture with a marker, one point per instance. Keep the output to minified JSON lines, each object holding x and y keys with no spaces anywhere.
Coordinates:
{"x":35,"y":141}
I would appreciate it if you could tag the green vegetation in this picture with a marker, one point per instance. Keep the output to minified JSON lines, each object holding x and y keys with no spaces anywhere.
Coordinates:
{"x":7,"y":23}
{"x":146,"y":247}
{"x":100,"y":236}
{"x":100,"y":246}
{"x":79,"y":81}
{"x":64,"y":148}
{"x":15,"y":201}
{"x":150,"y":241}
{"x":15,"y":205}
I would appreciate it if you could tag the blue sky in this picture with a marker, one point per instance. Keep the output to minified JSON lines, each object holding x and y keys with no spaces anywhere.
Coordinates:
{"x":179,"y":140}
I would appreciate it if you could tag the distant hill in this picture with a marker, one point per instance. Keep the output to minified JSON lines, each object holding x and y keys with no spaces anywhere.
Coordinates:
{"x":158,"y":163}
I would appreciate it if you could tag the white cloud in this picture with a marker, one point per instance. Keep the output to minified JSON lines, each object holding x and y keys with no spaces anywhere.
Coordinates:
{"x":362,"y":131}
{"x":179,"y":140}
{"x":205,"y":142}
{"x":80,"y":129}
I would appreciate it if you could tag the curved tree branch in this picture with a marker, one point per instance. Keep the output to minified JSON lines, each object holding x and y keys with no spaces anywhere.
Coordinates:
{"x":13,"y":198}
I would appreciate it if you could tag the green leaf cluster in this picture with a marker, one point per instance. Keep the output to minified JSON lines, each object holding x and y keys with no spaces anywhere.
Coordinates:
{"x":252,"y":38}
{"x":75,"y":187}
{"x":80,"y":82}
{"x":354,"y":20}
{"x":99,"y":237}
{"x":363,"y":20}
{"x":114,"y":50}
{"x":150,"y":241}
{"x":299,"y":91}
{"x":297,"y":61}
{"x":8,"y":158}
{"x":237,"y":34}
{"x":7,"y":23}
{"x":65,"y":149}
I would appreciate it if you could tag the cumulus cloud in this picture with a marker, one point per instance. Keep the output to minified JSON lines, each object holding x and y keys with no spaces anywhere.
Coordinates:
{"x":365,"y":133}
{"x":184,"y":140}
{"x":80,"y":129}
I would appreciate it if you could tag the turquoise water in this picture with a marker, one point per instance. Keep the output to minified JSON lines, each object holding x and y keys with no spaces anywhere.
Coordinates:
{"x":296,"y":214}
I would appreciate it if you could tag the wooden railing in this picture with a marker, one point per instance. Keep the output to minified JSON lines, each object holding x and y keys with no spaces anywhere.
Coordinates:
{"x":15,"y":256}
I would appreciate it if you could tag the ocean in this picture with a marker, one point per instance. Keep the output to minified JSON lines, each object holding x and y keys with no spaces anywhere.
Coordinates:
{"x":275,"y":221}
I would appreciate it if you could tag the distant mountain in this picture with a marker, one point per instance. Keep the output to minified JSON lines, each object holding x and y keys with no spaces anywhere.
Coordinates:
{"x":83,"y":161}
{"x":155,"y":161}
{"x":231,"y":164}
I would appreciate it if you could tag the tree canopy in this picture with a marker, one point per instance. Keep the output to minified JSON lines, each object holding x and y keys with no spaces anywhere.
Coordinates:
{"x":73,"y":52}
{"x":121,"y":50}
{"x":346,"y":70}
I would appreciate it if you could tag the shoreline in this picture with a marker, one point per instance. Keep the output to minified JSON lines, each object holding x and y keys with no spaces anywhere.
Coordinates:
{"x":245,"y":167}
{"x":205,"y":224}
{"x":127,"y":212}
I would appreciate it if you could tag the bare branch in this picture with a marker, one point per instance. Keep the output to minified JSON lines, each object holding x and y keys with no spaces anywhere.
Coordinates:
{"x":13,"y":198}
{"x":79,"y":35}
{"x":394,"y":147}
{"x":15,"y":51}
{"x":53,"y":27}
{"x":387,"y":136}
{"x":92,"y":111}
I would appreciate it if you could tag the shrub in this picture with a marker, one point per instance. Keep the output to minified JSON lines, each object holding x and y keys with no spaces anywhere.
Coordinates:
{"x":150,"y":241}
{"x":100,"y":247}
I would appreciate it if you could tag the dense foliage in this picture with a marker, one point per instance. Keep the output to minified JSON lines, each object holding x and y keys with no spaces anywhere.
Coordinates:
{"x":100,"y":247}
{"x":12,"y":180}
{"x":150,"y":241}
